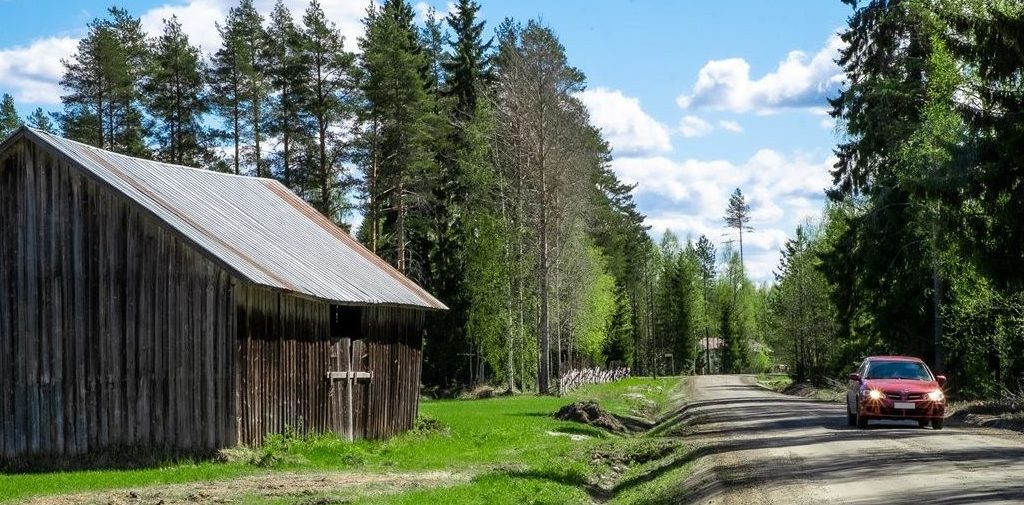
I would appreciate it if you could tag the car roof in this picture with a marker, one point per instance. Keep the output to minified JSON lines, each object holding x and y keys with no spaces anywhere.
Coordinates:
{"x":895,"y":358}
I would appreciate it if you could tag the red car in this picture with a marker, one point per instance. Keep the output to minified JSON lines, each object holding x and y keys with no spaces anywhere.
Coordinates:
{"x":895,"y":387}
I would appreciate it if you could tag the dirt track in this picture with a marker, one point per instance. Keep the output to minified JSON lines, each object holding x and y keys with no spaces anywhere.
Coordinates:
{"x":767,"y":448}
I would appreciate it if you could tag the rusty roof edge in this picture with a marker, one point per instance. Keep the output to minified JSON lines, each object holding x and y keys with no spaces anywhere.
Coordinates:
{"x":345,"y":303}
{"x":302,"y":206}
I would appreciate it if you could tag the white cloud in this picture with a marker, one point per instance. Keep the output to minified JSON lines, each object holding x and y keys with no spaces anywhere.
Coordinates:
{"x":731,"y":126}
{"x":32,"y":73}
{"x":693,"y":126}
{"x":197,"y":19}
{"x":624,"y":123}
{"x":797,"y":82}
{"x":689,"y":197}
{"x":422,"y":8}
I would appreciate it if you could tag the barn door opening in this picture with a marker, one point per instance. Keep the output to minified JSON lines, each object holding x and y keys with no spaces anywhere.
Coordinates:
{"x":348,"y":374}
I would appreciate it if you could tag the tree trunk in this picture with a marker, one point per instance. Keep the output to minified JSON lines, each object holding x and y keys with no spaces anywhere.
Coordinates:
{"x":236,"y":118}
{"x":400,"y":225}
{"x":937,"y":293}
{"x":374,"y":201}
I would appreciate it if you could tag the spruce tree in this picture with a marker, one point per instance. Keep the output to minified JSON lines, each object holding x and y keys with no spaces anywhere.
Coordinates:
{"x":433,"y":40}
{"x":705,"y":252}
{"x":468,"y":70}
{"x":466,"y":243}
{"x":9,"y":120}
{"x":887,"y":283}
{"x":176,"y":98}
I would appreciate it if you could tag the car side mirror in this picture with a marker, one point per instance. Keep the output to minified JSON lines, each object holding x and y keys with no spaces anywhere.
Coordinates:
{"x":941,"y":379}
{"x":855,"y":377}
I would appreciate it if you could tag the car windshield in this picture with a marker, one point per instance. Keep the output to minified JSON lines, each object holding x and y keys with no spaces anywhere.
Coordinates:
{"x":898,"y":370}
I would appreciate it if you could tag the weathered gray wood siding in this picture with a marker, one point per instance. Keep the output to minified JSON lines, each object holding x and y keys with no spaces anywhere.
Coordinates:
{"x":113,"y":330}
{"x":394,"y":355}
{"x":286,"y":350}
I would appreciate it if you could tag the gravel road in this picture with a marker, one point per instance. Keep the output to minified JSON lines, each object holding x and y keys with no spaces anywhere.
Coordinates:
{"x":768,"y":448}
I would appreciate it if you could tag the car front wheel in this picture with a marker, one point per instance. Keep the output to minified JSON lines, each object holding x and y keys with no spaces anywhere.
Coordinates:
{"x":862,"y":422}
{"x":937,"y":423}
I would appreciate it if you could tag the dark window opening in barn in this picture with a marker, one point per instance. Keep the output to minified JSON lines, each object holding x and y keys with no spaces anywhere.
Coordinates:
{"x":346,"y":322}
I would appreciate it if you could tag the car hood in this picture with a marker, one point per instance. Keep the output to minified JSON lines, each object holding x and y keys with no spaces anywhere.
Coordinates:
{"x":898,"y":386}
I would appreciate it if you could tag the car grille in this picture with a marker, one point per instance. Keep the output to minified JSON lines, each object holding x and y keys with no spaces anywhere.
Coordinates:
{"x":910,"y":396}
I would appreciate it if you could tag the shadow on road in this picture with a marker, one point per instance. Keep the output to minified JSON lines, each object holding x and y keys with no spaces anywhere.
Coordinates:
{"x":763,"y":442}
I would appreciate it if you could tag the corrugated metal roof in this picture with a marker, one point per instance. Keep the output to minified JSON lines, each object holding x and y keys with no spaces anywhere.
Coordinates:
{"x":255,"y":226}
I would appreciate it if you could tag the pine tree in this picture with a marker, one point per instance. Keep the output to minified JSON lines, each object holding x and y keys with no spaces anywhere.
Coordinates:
{"x":40,"y":120}
{"x":287,"y":79}
{"x":176,"y":98}
{"x":240,"y":86}
{"x":327,"y":92}
{"x":737,"y":215}
{"x":539,"y":116}
{"x":401,"y":177}
{"x":103,"y":79}
{"x":9,"y":120}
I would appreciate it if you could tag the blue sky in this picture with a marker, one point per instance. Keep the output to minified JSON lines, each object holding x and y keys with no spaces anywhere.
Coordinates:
{"x":697,"y":98}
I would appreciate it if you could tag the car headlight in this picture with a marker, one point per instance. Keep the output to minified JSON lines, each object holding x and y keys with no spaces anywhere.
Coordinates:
{"x":936,"y":396}
{"x":875,"y":394}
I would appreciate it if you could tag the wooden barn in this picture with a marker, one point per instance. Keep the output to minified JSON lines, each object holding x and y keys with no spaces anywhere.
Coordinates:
{"x":150,"y":305}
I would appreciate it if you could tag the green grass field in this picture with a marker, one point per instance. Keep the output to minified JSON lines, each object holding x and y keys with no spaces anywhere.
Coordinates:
{"x":506,"y":449}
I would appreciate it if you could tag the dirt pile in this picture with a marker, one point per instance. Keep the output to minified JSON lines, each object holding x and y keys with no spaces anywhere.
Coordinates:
{"x":592,"y":414}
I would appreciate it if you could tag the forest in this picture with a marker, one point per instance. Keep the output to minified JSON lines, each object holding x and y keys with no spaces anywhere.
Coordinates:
{"x":919,"y":251}
{"x":462,"y":154}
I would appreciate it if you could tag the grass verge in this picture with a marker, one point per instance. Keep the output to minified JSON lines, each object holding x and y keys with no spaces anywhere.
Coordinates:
{"x":829,"y":392}
{"x":508,"y":449}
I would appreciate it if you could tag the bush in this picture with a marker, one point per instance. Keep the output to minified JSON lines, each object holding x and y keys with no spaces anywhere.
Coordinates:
{"x":760,"y":362}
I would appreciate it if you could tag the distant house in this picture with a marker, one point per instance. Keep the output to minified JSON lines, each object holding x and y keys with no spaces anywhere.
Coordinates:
{"x":151,"y":305}
{"x":710,"y":350}
{"x":713,"y":348}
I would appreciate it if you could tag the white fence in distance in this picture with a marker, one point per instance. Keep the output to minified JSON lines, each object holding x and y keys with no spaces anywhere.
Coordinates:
{"x":579,"y":377}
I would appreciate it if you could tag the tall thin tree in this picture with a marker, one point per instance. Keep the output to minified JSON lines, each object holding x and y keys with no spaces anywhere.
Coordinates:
{"x":176,"y":98}
{"x":328,"y":89}
{"x":737,"y":215}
